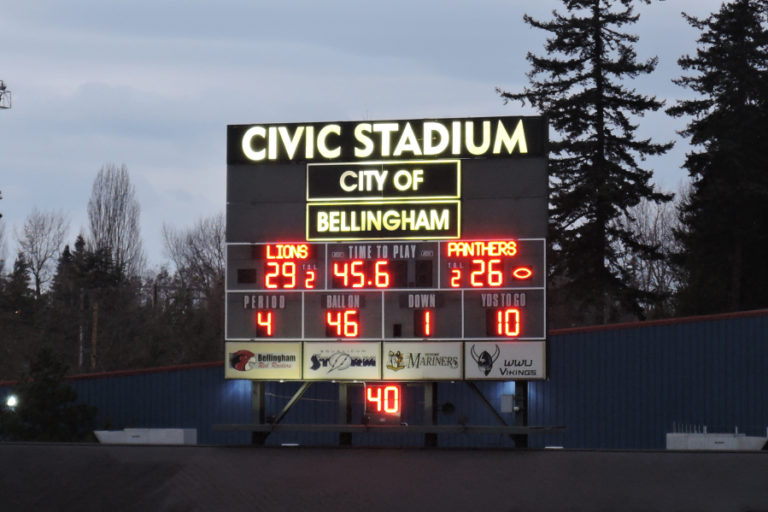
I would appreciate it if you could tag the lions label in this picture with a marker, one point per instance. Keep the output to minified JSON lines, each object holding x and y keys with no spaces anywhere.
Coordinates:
{"x":516,"y":360}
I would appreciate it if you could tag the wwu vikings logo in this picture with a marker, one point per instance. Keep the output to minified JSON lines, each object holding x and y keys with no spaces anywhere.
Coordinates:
{"x":484,"y":359}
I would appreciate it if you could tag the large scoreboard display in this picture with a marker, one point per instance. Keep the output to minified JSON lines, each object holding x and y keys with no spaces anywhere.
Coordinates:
{"x":398,"y":250}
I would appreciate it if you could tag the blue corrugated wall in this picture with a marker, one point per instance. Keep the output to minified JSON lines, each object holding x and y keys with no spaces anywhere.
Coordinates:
{"x":191,"y":397}
{"x":625,"y":387}
{"x":613,"y":387}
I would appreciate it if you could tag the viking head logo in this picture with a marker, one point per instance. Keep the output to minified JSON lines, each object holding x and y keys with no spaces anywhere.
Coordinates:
{"x":485,"y":360}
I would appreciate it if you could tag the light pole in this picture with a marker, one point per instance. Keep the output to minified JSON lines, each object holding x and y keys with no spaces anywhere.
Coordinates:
{"x":5,"y":96}
{"x":12,"y":401}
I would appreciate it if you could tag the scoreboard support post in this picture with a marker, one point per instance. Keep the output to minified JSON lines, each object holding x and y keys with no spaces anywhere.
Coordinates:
{"x":521,"y":412}
{"x":258,"y":396}
{"x":430,"y":413}
{"x":344,"y":413}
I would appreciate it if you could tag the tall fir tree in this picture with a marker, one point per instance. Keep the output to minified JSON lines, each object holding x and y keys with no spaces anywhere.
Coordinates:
{"x":724,"y":234}
{"x":595,"y":177}
{"x":18,"y":318}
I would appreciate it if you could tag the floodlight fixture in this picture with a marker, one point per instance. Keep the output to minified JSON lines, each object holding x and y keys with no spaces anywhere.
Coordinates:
{"x":5,"y":96}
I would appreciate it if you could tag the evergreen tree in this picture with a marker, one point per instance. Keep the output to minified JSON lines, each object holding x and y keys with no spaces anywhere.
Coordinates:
{"x":65,"y":320}
{"x":595,"y":177}
{"x":724,"y":234}
{"x":46,"y":409}
{"x":20,"y":315}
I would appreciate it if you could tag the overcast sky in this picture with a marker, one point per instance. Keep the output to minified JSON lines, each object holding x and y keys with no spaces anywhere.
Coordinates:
{"x":152,"y":84}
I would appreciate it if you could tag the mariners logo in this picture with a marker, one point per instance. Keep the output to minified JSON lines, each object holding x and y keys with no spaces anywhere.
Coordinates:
{"x":395,"y":361}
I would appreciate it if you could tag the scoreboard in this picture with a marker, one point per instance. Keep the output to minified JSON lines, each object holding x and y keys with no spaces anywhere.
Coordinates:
{"x":476,"y":289}
{"x":391,"y":250}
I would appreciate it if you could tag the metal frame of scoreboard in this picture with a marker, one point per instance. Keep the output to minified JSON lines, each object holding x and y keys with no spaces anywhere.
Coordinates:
{"x":383,"y":251}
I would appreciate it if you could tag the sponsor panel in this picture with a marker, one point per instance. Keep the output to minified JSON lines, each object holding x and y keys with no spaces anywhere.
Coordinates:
{"x":262,"y":361}
{"x":516,"y":360}
{"x":342,"y":361}
{"x":422,"y":361}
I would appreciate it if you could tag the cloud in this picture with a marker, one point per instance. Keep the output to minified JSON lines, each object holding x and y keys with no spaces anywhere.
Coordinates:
{"x":153,"y":84}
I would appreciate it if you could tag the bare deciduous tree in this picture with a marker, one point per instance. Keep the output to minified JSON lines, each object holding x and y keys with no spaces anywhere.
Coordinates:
{"x":2,"y":245}
{"x":40,"y":240}
{"x":198,"y":252}
{"x":653,"y":224}
{"x":113,"y":213}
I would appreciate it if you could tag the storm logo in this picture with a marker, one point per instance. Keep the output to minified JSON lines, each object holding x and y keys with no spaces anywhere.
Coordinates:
{"x":485,"y":360}
{"x":242,"y":360}
{"x":339,"y":361}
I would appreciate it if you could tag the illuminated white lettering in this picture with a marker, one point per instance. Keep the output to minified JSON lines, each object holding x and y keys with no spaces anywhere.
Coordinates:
{"x":361,"y":135}
{"x":418,"y":177}
{"x":517,"y":139}
{"x":385,"y":129}
{"x":322,"y":145}
{"x":247,"y":143}
{"x":469,"y":138}
{"x":391,"y":220}
{"x":272,"y":143}
{"x":435,"y":132}
{"x":402,"y":180}
{"x":407,"y":142}
{"x":290,"y":143}
{"x":335,"y":221}
{"x":439,"y":220}
{"x":309,"y":146}
{"x":343,"y":183}
{"x":456,"y":137}
{"x":380,"y":177}
{"x":422,"y":221}
{"x":322,"y":222}
{"x":474,"y":137}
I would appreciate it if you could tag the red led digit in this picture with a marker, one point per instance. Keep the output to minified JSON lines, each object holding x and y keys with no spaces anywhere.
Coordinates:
{"x":273,"y":272}
{"x":386,"y":399}
{"x":423,"y":323}
{"x":343,"y":323}
{"x":351,"y":327}
{"x":374,"y":399}
{"x":477,"y":273}
{"x":455,"y":278}
{"x":495,"y":277}
{"x":309,"y":280}
{"x":289,"y":272}
{"x":391,"y":399}
{"x":342,"y":271}
{"x":486,"y":273}
{"x":381,"y":276}
{"x":508,"y":322}
{"x":264,"y":320}
{"x":356,"y":270}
